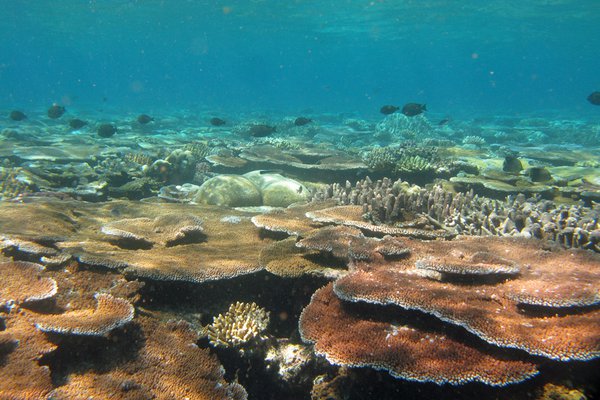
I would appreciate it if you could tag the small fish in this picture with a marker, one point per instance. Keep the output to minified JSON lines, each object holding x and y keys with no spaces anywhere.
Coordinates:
{"x":412,"y":109}
{"x":261,"y":130}
{"x":144,"y":119}
{"x":17,"y":115}
{"x":76,"y":123}
{"x":594,"y":98}
{"x":56,"y":111}
{"x":301,"y":121}
{"x":444,"y":121}
{"x":387,"y":109}
{"x":106,"y":130}
{"x":217,"y":121}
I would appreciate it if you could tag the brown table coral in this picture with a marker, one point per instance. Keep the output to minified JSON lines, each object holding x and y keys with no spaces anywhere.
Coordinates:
{"x":347,"y":337}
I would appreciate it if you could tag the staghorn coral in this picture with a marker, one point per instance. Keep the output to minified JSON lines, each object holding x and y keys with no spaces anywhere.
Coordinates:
{"x":392,"y":202}
{"x":348,"y":337}
{"x":110,"y":313}
{"x":22,"y":282}
{"x":494,"y":310}
{"x":240,"y":324}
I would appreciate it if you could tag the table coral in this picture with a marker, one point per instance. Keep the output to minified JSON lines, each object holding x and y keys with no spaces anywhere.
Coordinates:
{"x":494,"y":311}
{"x":110,"y":313}
{"x":350,"y":338}
{"x":22,"y":282}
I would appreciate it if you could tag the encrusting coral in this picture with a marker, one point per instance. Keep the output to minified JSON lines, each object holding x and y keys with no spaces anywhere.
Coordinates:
{"x":240,"y":324}
{"x":110,"y":313}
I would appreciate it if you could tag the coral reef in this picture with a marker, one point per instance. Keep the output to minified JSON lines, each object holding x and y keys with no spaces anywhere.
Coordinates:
{"x":110,"y":313}
{"x":392,"y":202}
{"x":169,"y":366}
{"x":22,"y":282}
{"x":221,"y":251}
{"x":240,"y":324}
{"x":166,"y":230}
{"x":399,"y":126}
{"x":350,"y":338}
{"x":493,"y":309}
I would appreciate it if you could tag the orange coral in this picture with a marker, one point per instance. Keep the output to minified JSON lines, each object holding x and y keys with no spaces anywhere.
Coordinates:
{"x":110,"y":313}
{"x":169,"y":366}
{"x":346,"y":336}
{"x":22,"y":282}
{"x":487,"y":309}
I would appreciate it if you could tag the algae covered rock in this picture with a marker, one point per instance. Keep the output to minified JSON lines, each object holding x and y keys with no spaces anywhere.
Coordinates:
{"x":277,"y":190}
{"x":229,"y":190}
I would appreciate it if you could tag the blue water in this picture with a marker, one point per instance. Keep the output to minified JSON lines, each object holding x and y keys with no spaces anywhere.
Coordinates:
{"x":462,"y":58}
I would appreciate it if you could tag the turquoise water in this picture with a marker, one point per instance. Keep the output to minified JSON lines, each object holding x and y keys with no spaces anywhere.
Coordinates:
{"x":462,"y":58}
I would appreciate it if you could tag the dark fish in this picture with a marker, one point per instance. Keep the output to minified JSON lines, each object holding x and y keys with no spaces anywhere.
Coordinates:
{"x":594,"y":98}
{"x":444,"y":121}
{"x":144,"y":119}
{"x":106,"y":130}
{"x":261,"y":130}
{"x":17,"y":115}
{"x":56,"y":111}
{"x":76,"y":123}
{"x":387,"y":110}
{"x":412,"y":109}
{"x":301,"y":121}
{"x":217,"y":121}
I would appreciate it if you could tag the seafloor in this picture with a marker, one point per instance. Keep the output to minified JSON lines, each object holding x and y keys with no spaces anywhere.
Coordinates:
{"x":333,"y":258}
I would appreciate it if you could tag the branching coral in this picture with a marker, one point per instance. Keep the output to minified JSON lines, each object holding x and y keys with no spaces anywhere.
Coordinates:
{"x":240,"y":324}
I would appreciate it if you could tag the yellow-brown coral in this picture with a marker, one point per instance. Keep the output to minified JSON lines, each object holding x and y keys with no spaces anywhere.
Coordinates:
{"x":22,"y":282}
{"x":240,"y":324}
{"x":110,"y":313}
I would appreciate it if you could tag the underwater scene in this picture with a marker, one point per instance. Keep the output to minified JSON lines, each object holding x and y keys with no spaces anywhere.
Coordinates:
{"x":300,"y":199}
